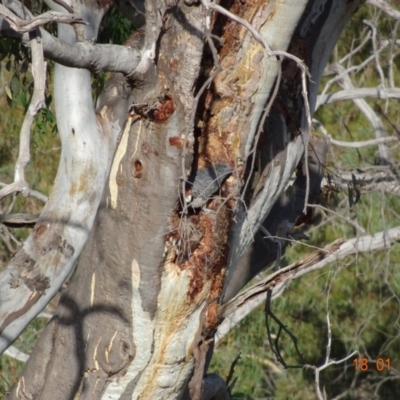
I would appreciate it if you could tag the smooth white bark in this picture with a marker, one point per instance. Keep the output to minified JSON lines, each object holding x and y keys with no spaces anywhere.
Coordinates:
{"x":64,"y":225}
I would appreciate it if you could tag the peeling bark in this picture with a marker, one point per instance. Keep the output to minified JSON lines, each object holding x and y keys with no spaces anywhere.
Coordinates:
{"x":286,"y":132}
{"x":144,"y":303}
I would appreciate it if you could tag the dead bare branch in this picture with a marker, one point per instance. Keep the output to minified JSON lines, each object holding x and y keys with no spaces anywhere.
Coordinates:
{"x":17,"y":354}
{"x":335,"y":251}
{"x":358,"y":93}
{"x":375,"y":51}
{"x":15,"y":220}
{"x":385,"y":7}
{"x":31,"y":193}
{"x":364,"y":143}
{"x":368,"y":180}
{"x":21,"y":25}
{"x":37,"y":103}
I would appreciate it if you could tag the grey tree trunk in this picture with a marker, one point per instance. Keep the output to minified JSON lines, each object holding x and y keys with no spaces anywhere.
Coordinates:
{"x":145,"y":299}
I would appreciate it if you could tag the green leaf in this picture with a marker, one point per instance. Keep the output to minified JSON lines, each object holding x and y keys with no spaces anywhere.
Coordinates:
{"x":350,"y":196}
{"x":358,"y":196}
{"x":354,"y":180}
{"x":14,"y":85}
{"x":22,"y":99}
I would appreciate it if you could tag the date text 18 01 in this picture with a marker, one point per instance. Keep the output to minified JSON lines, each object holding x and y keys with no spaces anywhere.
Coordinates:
{"x":363,"y":364}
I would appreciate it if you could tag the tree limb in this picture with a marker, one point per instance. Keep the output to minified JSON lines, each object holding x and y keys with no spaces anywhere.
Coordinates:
{"x":335,"y":251}
{"x":358,"y":93}
{"x":17,"y":220}
{"x":379,"y":179}
{"x":364,"y":143}
{"x":17,"y":354}
{"x":94,"y":57}
{"x":382,"y":5}
{"x":21,"y":25}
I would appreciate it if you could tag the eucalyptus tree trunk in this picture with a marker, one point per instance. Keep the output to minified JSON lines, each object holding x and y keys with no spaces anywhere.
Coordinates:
{"x":145,"y":299}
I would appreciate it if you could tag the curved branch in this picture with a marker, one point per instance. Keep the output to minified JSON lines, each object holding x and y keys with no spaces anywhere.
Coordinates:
{"x":21,"y":25}
{"x":36,"y":104}
{"x":360,"y":93}
{"x":38,"y":269}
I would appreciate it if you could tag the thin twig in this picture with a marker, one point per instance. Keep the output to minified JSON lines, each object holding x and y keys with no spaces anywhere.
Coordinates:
{"x":232,"y":370}
{"x":391,"y":53}
{"x":275,"y":344}
{"x":375,"y":49}
{"x":317,"y":371}
{"x":261,"y":124}
{"x":382,"y":5}
{"x":358,"y":228}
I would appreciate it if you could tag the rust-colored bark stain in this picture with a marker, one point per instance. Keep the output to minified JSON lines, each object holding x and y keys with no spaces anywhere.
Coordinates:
{"x":232,"y":89}
{"x":176,"y":141}
{"x":201,"y":239}
{"x":38,"y":231}
{"x":137,"y":168}
{"x":173,"y":64}
{"x":203,"y":250}
{"x":54,"y":242}
{"x":213,"y":318}
{"x":164,"y":112}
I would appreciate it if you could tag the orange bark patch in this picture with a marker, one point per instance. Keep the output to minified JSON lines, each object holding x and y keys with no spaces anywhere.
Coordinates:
{"x":173,"y":64}
{"x":137,"y":168}
{"x":212,"y":317}
{"x":164,"y":112}
{"x":176,"y":142}
{"x":38,"y":231}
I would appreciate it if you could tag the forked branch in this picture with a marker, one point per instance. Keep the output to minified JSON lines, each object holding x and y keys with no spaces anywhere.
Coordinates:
{"x":21,"y":25}
{"x":37,"y":103}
